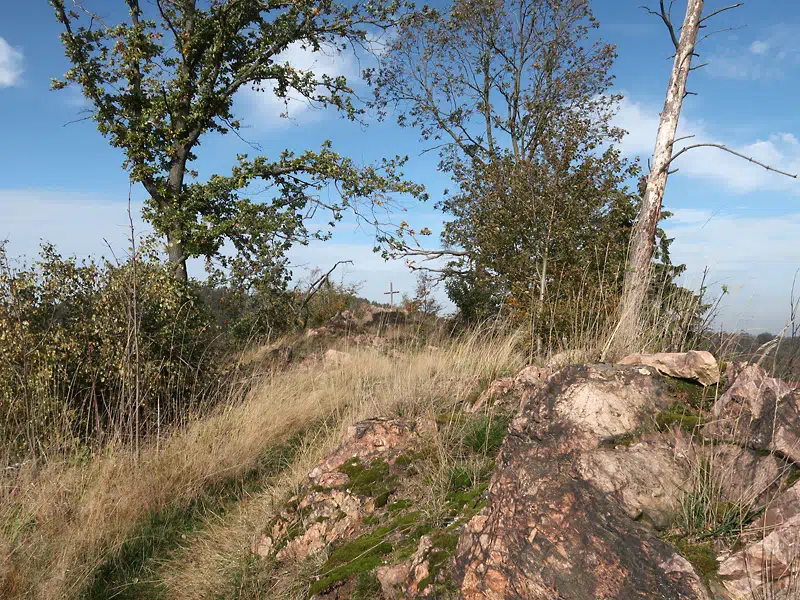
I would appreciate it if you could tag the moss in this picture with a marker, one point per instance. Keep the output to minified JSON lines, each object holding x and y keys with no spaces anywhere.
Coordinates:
{"x":468,"y":499}
{"x":794,"y":476}
{"x":701,"y":555}
{"x":690,"y":393}
{"x":679,"y":414}
{"x":367,"y":587}
{"x":398,"y":505}
{"x":443,"y":548}
{"x":362,"y":554}
{"x":460,"y":479}
{"x":375,"y":480}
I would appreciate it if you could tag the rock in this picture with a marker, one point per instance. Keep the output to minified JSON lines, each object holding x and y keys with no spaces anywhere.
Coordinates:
{"x":333,"y":500}
{"x":547,"y":532}
{"x":335,"y":358}
{"x":646,"y":478}
{"x":743,"y":476}
{"x":784,"y":508}
{"x":403,"y":580}
{"x":596,"y":402}
{"x":505,"y":388}
{"x":759,"y":412}
{"x":769,"y":568}
{"x":699,"y":366}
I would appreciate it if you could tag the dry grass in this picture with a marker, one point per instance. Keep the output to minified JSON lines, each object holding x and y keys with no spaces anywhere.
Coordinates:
{"x":64,"y":520}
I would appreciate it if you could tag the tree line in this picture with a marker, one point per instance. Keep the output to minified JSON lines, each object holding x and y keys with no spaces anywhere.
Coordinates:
{"x":547,"y":221}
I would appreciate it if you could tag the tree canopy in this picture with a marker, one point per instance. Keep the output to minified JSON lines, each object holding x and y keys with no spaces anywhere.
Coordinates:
{"x":517,"y":100}
{"x":164,"y":78}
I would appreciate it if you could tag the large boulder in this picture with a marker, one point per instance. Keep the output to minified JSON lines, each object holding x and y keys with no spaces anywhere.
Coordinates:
{"x":760,"y":412}
{"x":548,"y":531}
{"x":699,"y":366}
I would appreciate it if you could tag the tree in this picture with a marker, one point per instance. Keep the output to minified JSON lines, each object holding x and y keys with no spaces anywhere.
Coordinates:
{"x":165,"y":78}
{"x":637,"y":277}
{"x":517,"y":101}
{"x":424,"y":301}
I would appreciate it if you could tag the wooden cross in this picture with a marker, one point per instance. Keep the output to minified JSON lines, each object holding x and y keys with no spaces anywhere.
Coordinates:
{"x":391,"y":294}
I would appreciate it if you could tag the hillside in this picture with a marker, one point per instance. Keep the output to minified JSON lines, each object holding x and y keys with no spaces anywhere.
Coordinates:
{"x":369,"y":463}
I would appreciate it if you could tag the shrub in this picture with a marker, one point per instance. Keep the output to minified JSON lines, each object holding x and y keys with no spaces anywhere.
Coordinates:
{"x":92,"y":349}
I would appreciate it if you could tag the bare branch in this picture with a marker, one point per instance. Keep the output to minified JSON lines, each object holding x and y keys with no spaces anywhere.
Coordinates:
{"x":700,"y":66}
{"x":664,"y":15}
{"x":680,"y":139}
{"x":317,"y":285}
{"x":432,"y":254}
{"x":708,"y":35}
{"x":726,"y":149}
{"x":721,"y":10}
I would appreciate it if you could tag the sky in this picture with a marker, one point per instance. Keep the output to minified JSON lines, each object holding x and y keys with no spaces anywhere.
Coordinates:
{"x":62,"y":183}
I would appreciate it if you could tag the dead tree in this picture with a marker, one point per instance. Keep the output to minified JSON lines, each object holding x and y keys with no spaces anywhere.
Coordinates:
{"x":637,"y":276}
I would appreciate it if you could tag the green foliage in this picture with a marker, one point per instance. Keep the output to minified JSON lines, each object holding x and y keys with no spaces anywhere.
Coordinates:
{"x":91,"y":349}
{"x":164,"y":79}
{"x":516,"y":96}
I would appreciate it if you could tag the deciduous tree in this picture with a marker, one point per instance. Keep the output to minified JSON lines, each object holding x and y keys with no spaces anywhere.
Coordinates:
{"x":164,"y":79}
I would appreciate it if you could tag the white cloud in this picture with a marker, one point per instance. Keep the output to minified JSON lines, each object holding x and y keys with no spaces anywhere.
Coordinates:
{"x":774,"y":56}
{"x":759,"y":47}
{"x":11,"y":61}
{"x":755,"y":255}
{"x":269,"y":108}
{"x":76,"y":223}
{"x":779,"y":150}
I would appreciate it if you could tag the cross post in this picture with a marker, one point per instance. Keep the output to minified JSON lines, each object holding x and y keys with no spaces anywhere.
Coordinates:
{"x":391,"y":294}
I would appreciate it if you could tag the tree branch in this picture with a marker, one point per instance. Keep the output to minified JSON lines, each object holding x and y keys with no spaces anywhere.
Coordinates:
{"x":726,"y":149}
{"x":664,"y":16}
{"x":708,"y":35}
{"x":721,"y":10}
{"x":317,"y":285}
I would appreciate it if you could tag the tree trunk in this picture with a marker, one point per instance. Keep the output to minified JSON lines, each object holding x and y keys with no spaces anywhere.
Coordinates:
{"x":175,"y":235}
{"x":637,"y":276}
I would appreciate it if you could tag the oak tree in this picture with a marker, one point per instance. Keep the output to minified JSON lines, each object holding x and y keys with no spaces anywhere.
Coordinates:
{"x":164,"y":78}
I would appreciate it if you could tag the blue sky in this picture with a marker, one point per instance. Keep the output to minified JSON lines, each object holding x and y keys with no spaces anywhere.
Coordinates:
{"x":61,"y":182}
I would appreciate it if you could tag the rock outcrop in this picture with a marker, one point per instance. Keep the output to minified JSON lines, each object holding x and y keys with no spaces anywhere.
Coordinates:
{"x":760,"y":412}
{"x":507,"y":389}
{"x":342,"y":491}
{"x":583,"y":500}
{"x":547,"y":532}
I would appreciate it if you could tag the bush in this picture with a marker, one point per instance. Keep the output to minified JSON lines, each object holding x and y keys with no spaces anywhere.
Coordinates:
{"x":96,"y":349}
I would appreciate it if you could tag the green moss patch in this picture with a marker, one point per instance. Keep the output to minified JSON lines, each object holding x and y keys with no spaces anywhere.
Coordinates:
{"x":375,"y":480}
{"x":680,"y":414}
{"x":794,"y":476}
{"x":363,"y":554}
{"x":701,"y":555}
{"x":690,"y":393}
